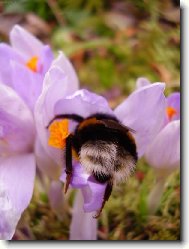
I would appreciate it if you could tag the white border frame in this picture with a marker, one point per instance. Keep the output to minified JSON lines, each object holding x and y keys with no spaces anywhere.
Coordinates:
{"x":184,"y":243}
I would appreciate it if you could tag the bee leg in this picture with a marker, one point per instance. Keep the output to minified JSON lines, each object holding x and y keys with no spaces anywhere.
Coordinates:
{"x":107,"y":194}
{"x":68,"y":162}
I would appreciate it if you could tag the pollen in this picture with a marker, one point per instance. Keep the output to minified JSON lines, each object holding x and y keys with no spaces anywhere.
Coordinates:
{"x":32,"y":63}
{"x":58,"y":133}
{"x":170,"y":112}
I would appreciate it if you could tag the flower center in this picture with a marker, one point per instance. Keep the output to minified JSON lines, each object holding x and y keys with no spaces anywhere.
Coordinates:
{"x":32,"y":63}
{"x":58,"y":133}
{"x":170,"y":112}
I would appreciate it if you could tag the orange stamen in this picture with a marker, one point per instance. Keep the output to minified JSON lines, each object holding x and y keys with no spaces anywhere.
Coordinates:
{"x":170,"y":112}
{"x":58,"y":133}
{"x":32,"y":63}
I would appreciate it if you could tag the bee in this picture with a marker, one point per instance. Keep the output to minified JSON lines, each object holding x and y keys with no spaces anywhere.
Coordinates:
{"x":106,"y":149}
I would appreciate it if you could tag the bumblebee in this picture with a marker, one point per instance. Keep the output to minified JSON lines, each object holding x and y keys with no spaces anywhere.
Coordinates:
{"x":106,"y":149}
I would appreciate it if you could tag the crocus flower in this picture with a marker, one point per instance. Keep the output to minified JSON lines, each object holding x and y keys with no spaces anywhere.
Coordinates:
{"x":24,"y":64}
{"x":142,"y":111}
{"x":20,"y":148}
{"x":163,"y":153}
{"x":17,"y":161}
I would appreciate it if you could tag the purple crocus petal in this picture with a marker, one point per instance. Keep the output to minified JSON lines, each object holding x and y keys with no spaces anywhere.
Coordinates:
{"x":79,"y":177}
{"x":16,"y":123}
{"x":93,"y":191}
{"x":164,"y":151}
{"x":144,"y":112}
{"x":66,"y":67}
{"x":45,"y":163}
{"x":141,"y":82}
{"x":83,"y":103}
{"x":59,"y":82}
{"x":9,"y":215}
{"x":17,"y":174}
{"x":45,"y":59}
{"x":93,"y":195}
{"x":56,"y":86}
{"x":7,"y":54}
{"x":56,"y":197}
{"x":83,"y":225}
{"x":59,"y":88}
{"x":25,"y":43}
{"x":26,"y":83}
{"x":173,"y":100}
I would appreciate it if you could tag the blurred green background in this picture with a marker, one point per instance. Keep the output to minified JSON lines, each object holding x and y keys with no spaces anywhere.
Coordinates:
{"x":111,"y":44}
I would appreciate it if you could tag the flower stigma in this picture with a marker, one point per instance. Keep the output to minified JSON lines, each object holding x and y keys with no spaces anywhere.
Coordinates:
{"x":58,"y":133}
{"x":32,"y":63}
{"x":170,"y":112}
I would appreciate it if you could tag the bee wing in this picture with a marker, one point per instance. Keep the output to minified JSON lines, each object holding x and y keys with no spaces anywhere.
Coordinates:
{"x":117,"y":126}
{"x":128,"y":128}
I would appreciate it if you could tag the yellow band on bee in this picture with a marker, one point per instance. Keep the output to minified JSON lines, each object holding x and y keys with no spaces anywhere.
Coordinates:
{"x":89,"y":121}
